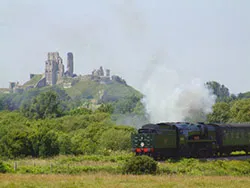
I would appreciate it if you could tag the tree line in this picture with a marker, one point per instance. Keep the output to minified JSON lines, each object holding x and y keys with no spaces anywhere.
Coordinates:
{"x":50,"y":124}
{"x":80,"y":132}
{"x":229,"y":108}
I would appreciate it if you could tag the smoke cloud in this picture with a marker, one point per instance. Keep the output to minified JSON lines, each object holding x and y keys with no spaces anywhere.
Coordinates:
{"x":171,"y":93}
{"x":169,"y":96}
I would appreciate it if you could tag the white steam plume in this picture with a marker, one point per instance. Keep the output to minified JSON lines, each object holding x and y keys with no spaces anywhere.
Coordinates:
{"x":170,"y":96}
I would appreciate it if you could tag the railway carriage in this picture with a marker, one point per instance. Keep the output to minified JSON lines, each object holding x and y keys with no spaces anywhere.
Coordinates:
{"x":233,"y":137}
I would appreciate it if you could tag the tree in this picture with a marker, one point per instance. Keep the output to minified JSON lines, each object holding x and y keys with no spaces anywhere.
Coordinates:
{"x":126,"y":105}
{"x":220,"y":91}
{"x":244,"y":95}
{"x":221,"y":113}
{"x":1,"y":102}
{"x":117,"y":138}
{"x":16,"y":143}
{"x":49,"y":145}
{"x":65,"y":145}
{"x":240,"y":111}
{"x":45,"y":105}
{"x":106,"y":108}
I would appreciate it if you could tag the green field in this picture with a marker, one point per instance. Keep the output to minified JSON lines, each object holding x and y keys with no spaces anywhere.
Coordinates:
{"x":108,"y":180}
{"x":113,"y":164}
{"x":106,"y":171}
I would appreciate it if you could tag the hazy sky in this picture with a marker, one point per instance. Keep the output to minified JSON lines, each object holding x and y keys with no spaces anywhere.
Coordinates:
{"x":206,"y":39}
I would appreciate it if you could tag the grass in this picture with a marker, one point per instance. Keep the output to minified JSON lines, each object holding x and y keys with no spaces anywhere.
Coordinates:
{"x":69,"y":164}
{"x":34,"y":80}
{"x":206,"y":168}
{"x":87,"y":88}
{"x":108,"y":180}
{"x":105,"y":171}
{"x":113,"y":165}
{"x":84,"y":88}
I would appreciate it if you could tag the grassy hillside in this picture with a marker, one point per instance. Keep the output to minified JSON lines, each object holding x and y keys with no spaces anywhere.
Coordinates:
{"x":33,"y":81}
{"x":85,"y":88}
{"x":80,"y":91}
{"x":89,"y":89}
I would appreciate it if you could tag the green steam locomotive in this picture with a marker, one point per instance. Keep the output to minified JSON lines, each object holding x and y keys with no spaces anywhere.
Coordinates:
{"x":183,"y":139}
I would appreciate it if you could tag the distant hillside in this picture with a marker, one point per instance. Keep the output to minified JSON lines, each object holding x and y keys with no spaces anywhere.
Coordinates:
{"x":98,"y":91}
{"x":76,"y":91}
{"x":87,"y":88}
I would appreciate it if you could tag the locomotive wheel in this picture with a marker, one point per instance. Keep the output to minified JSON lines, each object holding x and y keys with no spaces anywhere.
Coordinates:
{"x":246,"y":151}
{"x":163,"y":158}
{"x":203,"y":153}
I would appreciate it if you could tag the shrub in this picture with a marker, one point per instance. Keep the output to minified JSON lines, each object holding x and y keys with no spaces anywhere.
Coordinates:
{"x":140,"y":165}
{"x":2,"y":167}
{"x":116,"y":140}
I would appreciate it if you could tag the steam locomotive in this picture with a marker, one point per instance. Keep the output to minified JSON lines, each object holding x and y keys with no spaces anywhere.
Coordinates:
{"x":184,"y":139}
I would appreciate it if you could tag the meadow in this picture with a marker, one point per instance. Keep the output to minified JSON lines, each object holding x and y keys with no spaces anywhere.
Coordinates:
{"x":111,"y":180}
{"x":113,"y":164}
{"x":106,"y":171}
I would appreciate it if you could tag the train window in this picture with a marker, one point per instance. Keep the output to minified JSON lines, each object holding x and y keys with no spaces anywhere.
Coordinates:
{"x":238,"y":134}
{"x":244,"y":133}
{"x":231,"y":134}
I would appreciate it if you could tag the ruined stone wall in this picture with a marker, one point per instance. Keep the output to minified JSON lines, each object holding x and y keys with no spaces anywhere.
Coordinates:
{"x":50,"y":72}
{"x":12,"y":85}
{"x":70,"y":64}
{"x":60,"y":71}
{"x":41,"y":83}
{"x":108,"y":72}
{"x":54,"y":68}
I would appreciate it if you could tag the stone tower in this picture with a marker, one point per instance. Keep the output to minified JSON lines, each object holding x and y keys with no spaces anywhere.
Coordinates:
{"x":54,"y":68}
{"x":70,"y":64}
{"x":108,"y":72}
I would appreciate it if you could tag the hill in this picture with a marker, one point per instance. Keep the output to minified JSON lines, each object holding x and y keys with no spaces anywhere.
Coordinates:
{"x":99,"y":91}
{"x":78,"y":91}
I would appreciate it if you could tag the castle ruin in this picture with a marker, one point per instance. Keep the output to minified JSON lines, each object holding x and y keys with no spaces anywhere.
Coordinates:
{"x":55,"y":74}
{"x":70,"y":65}
{"x":99,"y":76}
{"x":54,"y":68}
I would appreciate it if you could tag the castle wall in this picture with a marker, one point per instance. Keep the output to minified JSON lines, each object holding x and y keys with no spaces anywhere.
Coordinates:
{"x":51,"y":72}
{"x":70,"y":64}
{"x":54,"y":68}
{"x":60,"y":69}
{"x":41,"y":83}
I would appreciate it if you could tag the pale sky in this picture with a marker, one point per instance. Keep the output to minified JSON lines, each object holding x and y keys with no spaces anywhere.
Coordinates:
{"x":206,"y":39}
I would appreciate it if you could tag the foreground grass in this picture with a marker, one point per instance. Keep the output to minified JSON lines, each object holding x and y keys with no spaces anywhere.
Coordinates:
{"x":108,"y":180}
{"x":206,"y":168}
{"x":68,"y":164}
{"x":112,"y":164}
